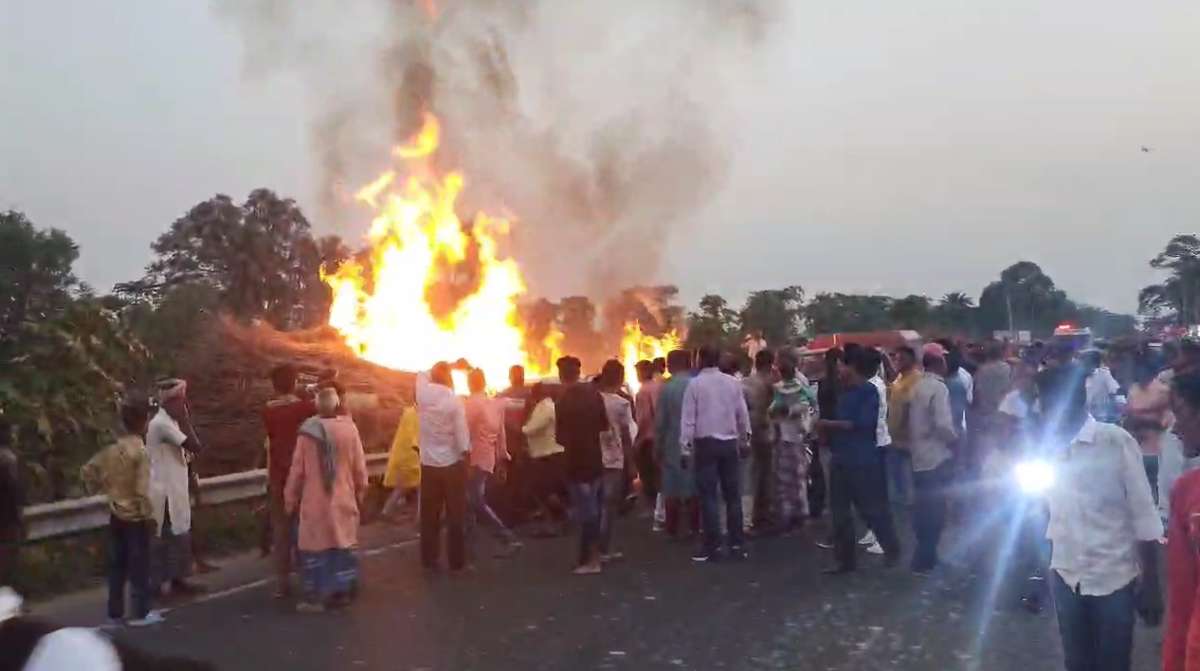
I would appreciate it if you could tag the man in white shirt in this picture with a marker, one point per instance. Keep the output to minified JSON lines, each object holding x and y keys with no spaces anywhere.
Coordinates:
{"x":170,"y":443}
{"x":1103,"y":526}
{"x":1101,"y":387}
{"x":443,"y":441}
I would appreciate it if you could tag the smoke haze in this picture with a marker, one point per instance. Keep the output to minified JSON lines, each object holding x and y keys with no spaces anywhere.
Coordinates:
{"x":603,"y":128}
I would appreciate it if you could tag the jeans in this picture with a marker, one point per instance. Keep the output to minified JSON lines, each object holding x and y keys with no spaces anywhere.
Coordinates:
{"x":717,"y":474}
{"x":1097,"y":631}
{"x":816,"y":483}
{"x":929,"y":514}
{"x":860,"y":486}
{"x":128,"y":561}
{"x":587,"y":498}
{"x":443,"y":488}
{"x":899,"y":475}
{"x":481,"y":512}
{"x":612,"y":483}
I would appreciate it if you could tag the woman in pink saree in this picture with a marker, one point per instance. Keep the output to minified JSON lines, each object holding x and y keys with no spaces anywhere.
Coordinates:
{"x":325,"y":487}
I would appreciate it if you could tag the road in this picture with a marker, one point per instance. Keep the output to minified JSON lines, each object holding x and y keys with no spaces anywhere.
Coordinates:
{"x":655,"y":610}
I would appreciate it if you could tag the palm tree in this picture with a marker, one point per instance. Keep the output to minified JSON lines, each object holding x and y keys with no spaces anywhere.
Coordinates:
{"x":953,"y":311}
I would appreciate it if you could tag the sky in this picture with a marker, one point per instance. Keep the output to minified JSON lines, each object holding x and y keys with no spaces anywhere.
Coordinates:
{"x":897,"y":148}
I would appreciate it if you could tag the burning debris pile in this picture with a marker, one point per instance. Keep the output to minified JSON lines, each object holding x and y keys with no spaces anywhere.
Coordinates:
{"x":227,"y":369}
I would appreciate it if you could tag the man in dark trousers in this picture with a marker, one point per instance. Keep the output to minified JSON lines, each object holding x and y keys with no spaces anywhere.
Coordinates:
{"x":856,"y":478}
{"x":580,"y":418}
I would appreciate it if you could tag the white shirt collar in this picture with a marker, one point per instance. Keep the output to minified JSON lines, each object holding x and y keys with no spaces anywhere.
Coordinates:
{"x":1087,"y":432}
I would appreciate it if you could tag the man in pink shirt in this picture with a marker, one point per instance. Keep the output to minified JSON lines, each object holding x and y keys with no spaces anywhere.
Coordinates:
{"x":485,"y":425}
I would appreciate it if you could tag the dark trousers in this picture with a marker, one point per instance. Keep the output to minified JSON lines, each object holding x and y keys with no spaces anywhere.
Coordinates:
{"x":1097,"y":631}
{"x":718,"y":474}
{"x":929,"y":514}
{"x":443,"y":488}
{"x":816,"y":483}
{"x":128,"y":562}
{"x":10,"y":553}
{"x":861,"y":487}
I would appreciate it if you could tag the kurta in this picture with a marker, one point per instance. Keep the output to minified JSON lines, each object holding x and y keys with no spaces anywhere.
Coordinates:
{"x":168,"y":473}
{"x":328,"y":520}
{"x":677,"y":482}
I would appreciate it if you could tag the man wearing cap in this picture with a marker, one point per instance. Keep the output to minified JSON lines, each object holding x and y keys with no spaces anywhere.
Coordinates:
{"x":171,"y":441}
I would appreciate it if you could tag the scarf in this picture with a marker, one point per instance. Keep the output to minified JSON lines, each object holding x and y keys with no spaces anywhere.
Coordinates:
{"x":314,"y":428}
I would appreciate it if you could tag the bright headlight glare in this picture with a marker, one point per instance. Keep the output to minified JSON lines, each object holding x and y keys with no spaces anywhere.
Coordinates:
{"x":1034,"y":476}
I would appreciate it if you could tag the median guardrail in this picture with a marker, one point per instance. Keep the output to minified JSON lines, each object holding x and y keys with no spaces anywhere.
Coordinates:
{"x":63,"y":518}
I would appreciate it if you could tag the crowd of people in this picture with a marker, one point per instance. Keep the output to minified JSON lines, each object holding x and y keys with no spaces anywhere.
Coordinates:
{"x":1084,"y":460}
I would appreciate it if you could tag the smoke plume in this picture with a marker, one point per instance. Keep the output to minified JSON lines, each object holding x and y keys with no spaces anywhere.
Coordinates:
{"x":602,"y":127}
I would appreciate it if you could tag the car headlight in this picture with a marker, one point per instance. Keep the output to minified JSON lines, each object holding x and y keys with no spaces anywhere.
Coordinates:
{"x":1034,"y":476}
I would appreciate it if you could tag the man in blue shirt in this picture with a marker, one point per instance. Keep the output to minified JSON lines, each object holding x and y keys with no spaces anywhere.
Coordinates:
{"x":856,"y":471}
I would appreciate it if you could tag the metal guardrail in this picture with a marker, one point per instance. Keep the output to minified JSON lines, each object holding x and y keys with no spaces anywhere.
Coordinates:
{"x":62,"y":518}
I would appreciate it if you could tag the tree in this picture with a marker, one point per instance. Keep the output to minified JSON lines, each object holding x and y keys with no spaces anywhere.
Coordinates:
{"x":714,"y":323}
{"x":1179,"y":295}
{"x":652,"y":307}
{"x":911,"y":312}
{"x":36,"y":281}
{"x":954,"y":312}
{"x":1028,"y":296}
{"x":845,"y":313}
{"x":66,"y":357}
{"x":773,"y":312}
{"x":577,"y":321}
{"x":259,"y":256}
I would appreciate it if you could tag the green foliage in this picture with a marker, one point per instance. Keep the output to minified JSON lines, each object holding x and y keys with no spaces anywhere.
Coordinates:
{"x":35,"y":272}
{"x":845,"y":313}
{"x":1029,"y":295}
{"x":259,"y":257}
{"x":775,"y":313}
{"x":1177,"y":298}
{"x":714,"y":323}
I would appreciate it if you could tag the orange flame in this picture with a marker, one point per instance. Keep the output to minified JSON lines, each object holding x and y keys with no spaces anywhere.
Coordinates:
{"x":637,"y":346}
{"x":417,"y":243}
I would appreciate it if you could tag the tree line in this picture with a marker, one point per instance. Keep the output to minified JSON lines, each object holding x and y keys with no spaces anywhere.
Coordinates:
{"x":69,"y":352}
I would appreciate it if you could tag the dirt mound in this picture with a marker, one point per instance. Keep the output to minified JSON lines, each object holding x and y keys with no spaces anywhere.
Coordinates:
{"x":227,"y":370}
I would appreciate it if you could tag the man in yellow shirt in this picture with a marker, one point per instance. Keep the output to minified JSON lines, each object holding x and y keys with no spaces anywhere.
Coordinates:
{"x":121,"y":472}
{"x":898,"y":461}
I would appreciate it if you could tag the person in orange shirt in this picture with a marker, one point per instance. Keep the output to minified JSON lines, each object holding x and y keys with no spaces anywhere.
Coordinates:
{"x":1181,"y":645}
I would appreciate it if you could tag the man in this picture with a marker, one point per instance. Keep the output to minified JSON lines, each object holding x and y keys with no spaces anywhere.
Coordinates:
{"x":931,"y":432}
{"x":518,"y":486}
{"x":882,"y":371}
{"x":12,"y":502}
{"x":1184,"y":360}
{"x":714,"y":422}
{"x":678,"y":482}
{"x":856,"y":478}
{"x":282,"y":417}
{"x":1104,"y":528}
{"x":792,"y":409}
{"x":1101,"y":387}
{"x":1181,"y":645}
{"x":645,"y":404}
{"x":121,"y":472}
{"x":616,"y":446}
{"x":489,"y":454}
{"x":444,"y":442}
{"x":580,"y":418}
{"x":993,"y":380}
{"x":759,"y":389}
{"x":171,"y":442}
{"x":897,"y":456}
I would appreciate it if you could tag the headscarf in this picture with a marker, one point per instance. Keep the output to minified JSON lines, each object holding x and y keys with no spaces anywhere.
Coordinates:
{"x":171,"y":388}
{"x":314,"y":428}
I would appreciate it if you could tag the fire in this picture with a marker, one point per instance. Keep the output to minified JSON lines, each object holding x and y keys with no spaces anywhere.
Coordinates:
{"x":637,"y":346}
{"x":421,"y":252}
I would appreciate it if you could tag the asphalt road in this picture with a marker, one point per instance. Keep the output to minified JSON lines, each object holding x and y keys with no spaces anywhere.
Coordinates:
{"x":655,"y":610}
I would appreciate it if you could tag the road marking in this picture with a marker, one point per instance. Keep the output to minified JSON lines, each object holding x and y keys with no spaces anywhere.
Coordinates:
{"x":262,"y":582}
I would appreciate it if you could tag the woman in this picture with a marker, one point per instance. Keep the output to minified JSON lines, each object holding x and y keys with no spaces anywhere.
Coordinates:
{"x":547,"y":458}
{"x":326,"y":485}
{"x":1147,"y":416}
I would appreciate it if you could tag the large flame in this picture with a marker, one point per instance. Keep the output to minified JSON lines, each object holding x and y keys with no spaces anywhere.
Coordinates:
{"x":637,"y":346}
{"x":419,"y":247}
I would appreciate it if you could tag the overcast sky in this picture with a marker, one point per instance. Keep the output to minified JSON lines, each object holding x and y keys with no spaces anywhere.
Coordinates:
{"x":904,"y":147}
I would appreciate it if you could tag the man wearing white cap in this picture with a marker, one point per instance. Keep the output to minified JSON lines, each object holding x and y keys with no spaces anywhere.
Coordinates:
{"x":170,"y":442}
